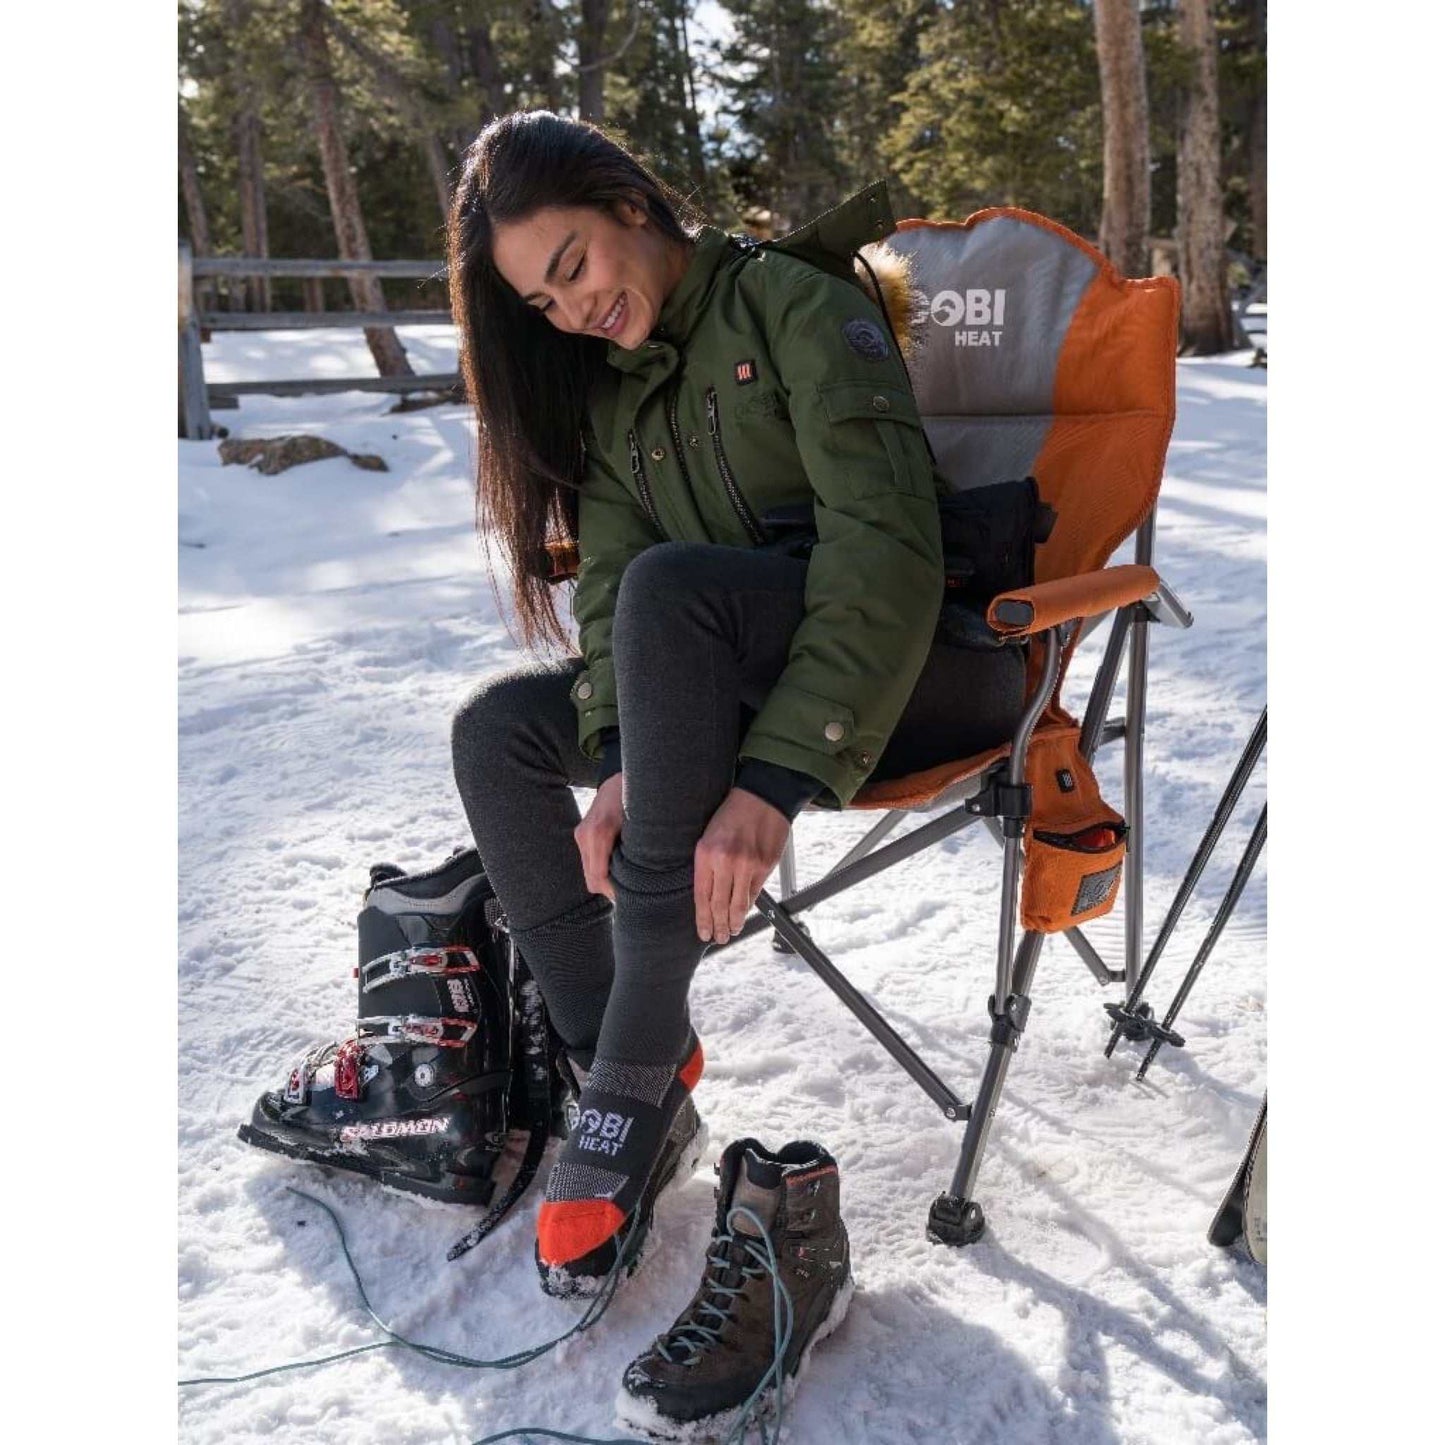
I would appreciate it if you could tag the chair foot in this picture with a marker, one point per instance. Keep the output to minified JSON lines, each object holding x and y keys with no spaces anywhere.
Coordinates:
{"x":955,"y":1221}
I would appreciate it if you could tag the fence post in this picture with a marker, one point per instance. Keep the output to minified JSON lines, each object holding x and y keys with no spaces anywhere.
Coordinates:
{"x":195,"y":415}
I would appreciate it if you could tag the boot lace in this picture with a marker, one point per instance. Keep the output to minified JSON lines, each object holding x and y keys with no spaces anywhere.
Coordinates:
{"x":733,"y":1261}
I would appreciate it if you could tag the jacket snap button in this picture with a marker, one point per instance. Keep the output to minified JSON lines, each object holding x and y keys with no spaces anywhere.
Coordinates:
{"x":865,"y":758}
{"x":693,"y":442}
{"x":833,"y":732}
{"x":658,"y":454}
{"x":880,"y":403}
{"x":584,"y":690}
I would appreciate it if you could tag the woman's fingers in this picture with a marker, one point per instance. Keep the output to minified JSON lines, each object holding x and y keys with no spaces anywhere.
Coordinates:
{"x":595,"y":836}
{"x":742,"y":898}
{"x":738,"y":850}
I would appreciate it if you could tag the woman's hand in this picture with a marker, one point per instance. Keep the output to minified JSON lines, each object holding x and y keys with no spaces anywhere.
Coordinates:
{"x":739,"y":847}
{"x":597,"y":832}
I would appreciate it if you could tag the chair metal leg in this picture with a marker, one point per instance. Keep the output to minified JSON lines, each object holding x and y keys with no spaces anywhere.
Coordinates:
{"x":1137,"y":697}
{"x":788,"y":870}
{"x":956,"y":1217}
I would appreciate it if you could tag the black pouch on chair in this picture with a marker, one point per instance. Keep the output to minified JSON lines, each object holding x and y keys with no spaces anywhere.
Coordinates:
{"x":989,"y":537}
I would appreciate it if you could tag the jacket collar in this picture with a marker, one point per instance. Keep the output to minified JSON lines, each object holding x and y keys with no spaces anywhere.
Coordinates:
{"x":683,"y":305}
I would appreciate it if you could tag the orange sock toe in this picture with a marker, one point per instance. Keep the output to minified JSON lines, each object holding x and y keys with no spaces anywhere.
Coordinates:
{"x":569,"y":1228}
{"x":691,"y":1071}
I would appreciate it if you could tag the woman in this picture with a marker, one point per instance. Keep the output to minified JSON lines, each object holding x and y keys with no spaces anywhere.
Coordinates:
{"x":653,"y":388}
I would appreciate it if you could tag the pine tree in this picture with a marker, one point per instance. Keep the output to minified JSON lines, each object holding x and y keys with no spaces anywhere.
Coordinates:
{"x":1003,"y":109}
{"x":787,"y":107}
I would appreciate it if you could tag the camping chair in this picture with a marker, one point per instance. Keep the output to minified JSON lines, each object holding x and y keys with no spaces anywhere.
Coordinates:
{"x":1040,"y":361}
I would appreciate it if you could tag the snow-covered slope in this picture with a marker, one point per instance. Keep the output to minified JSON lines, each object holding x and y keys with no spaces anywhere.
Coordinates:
{"x":331,"y":619}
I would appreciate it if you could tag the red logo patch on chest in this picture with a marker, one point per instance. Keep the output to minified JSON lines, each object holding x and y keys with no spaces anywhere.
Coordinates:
{"x":745,"y":371}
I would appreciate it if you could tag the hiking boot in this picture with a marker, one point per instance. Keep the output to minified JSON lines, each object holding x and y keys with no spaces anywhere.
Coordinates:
{"x":695,"y":1380}
{"x":583,"y":1278}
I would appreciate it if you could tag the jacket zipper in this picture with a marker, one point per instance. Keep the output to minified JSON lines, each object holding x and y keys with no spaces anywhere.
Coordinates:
{"x":677,"y":435}
{"x":735,"y":496}
{"x":641,"y":479}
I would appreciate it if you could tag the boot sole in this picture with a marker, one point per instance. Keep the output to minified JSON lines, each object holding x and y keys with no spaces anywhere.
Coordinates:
{"x":640,"y":1415}
{"x":559,"y":1284}
{"x":451,"y":1189}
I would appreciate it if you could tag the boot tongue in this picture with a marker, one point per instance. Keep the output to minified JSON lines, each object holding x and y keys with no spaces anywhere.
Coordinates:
{"x":759,"y":1187}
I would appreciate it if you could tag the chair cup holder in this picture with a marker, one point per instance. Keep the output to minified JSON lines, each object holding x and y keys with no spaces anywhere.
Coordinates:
{"x":1071,"y":876}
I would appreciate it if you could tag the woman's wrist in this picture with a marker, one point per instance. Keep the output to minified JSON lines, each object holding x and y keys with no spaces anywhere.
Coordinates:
{"x":611,"y":754}
{"x":787,"y":789}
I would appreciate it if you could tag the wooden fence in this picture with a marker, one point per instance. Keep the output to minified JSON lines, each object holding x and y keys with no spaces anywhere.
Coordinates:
{"x":197,"y":397}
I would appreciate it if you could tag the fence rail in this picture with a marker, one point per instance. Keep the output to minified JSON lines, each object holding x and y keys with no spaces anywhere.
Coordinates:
{"x":196,"y":397}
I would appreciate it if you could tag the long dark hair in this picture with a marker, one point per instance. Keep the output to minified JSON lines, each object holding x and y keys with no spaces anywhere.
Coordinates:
{"x":527,"y":380}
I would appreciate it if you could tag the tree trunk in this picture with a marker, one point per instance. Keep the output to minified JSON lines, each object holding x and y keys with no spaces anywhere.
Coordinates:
{"x":401,"y":93}
{"x":539,"y":20}
{"x":252,"y":185}
{"x":1258,"y":149}
{"x":590,"y":74}
{"x":313,"y":293}
{"x":1124,"y":226}
{"x":691,"y":126}
{"x":250,"y":172}
{"x":1206,"y":323}
{"x":488,"y":71}
{"x":351,"y":240}
{"x":196,"y":221}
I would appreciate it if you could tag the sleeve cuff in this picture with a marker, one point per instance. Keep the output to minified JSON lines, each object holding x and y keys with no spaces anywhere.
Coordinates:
{"x":611,"y":753}
{"x":786,"y":789}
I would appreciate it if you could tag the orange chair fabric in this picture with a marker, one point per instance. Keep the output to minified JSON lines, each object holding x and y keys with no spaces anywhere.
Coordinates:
{"x":1065,"y":598}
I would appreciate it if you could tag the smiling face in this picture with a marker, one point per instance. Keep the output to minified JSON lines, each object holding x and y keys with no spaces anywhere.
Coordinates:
{"x":591,"y":272}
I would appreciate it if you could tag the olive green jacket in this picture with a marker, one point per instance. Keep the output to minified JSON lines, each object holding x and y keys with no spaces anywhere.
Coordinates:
{"x":768,"y":381}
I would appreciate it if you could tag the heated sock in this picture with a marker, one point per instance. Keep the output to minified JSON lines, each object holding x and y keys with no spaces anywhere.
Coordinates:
{"x":625,"y":1113}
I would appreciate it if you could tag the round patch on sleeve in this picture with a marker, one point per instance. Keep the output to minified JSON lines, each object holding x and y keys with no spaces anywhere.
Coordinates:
{"x":866,"y":339}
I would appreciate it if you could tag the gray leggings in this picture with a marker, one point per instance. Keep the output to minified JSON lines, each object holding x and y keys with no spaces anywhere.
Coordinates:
{"x":701,"y":633}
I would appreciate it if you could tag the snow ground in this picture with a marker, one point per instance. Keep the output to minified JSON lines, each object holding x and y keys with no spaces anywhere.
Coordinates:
{"x":331,"y":619}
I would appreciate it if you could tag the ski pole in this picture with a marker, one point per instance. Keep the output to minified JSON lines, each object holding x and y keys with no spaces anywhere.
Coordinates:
{"x":1226,"y":908}
{"x":1128,"y":1014}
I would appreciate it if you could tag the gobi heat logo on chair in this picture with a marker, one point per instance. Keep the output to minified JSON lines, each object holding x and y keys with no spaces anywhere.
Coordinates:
{"x":603,"y":1133}
{"x":976,"y":314}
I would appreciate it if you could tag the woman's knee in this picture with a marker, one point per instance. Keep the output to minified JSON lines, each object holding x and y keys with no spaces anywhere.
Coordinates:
{"x":661,"y":571}
{"x":493,"y":712}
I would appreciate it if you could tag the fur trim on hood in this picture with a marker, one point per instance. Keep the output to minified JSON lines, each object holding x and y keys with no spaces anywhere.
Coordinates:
{"x":903,"y":303}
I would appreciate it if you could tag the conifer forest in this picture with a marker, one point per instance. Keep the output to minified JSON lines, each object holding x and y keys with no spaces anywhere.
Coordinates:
{"x":319,"y":128}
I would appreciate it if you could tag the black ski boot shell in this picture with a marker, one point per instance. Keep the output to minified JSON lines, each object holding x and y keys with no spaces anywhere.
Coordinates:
{"x":693,"y":1382}
{"x":417,"y":1098}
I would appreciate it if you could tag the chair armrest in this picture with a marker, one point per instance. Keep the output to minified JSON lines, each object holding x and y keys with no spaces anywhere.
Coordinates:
{"x":1027,"y":610}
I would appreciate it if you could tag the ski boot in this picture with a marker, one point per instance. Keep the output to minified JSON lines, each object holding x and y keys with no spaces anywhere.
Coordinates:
{"x":693,"y":1382}
{"x":417,"y":1097}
